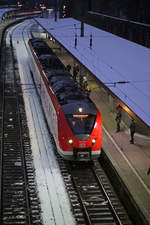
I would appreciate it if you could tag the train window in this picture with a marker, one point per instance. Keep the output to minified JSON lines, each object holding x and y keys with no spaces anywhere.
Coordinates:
{"x":81,"y":124}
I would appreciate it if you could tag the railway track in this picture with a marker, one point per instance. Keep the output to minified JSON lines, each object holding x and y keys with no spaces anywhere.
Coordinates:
{"x":92,"y":196}
{"x":19,"y":203}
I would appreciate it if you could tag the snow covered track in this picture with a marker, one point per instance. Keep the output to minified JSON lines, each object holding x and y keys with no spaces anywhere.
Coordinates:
{"x":19,"y":203}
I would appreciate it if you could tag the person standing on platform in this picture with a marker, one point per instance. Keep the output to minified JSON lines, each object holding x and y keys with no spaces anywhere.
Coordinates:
{"x":75,"y":71}
{"x":84,"y":84}
{"x":68,"y":68}
{"x":81,"y":80}
{"x":118,"y":116}
{"x":132,"y":131}
{"x":118,"y":120}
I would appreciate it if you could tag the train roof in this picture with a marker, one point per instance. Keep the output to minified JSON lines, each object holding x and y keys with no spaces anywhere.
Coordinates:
{"x":56,"y":73}
{"x":47,"y":57}
{"x":66,"y":89}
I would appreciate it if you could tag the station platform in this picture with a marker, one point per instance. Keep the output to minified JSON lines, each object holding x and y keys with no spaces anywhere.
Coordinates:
{"x":130,"y":161}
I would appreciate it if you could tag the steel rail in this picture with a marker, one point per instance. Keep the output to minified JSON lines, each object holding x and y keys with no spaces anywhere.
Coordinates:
{"x":117,"y":219}
{"x":28,"y":208}
{"x":3,"y":72}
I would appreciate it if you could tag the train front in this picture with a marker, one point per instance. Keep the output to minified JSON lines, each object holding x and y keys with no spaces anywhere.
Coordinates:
{"x":80,"y":131}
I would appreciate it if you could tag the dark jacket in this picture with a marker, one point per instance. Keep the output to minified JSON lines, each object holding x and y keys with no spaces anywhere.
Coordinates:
{"x":132,"y":126}
{"x":68,"y":67}
{"x":118,"y":117}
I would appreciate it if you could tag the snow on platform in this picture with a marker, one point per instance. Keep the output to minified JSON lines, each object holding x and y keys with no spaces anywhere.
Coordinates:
{"x":112,"y":59}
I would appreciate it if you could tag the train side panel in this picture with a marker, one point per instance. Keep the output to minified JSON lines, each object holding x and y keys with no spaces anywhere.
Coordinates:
{"x":46,"y":95}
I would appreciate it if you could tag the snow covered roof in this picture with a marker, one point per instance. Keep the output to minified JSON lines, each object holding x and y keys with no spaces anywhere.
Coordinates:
{"x":121,"y":65}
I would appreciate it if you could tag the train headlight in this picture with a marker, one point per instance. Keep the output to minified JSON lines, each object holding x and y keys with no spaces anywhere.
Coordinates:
{"x":80,"y":109}
{"x":93,"y":141}
{"x":70,"y":141}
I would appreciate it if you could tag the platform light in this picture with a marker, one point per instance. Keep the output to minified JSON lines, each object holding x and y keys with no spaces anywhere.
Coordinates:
{"x":19,"y":4}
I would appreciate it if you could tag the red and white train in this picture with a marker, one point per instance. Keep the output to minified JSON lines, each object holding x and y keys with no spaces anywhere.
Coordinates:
{"x":74,"y":120}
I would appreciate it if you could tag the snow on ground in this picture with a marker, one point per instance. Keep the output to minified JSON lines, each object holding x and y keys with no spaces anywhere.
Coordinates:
{"x":55,"y":204}
{"x":112,"y":59}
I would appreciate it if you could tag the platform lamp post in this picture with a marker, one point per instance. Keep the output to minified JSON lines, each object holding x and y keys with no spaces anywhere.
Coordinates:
{"x":55,"y":10}
{"x":82,"y":29}
{"x":75,"y":40}
{"x":91,"y":41}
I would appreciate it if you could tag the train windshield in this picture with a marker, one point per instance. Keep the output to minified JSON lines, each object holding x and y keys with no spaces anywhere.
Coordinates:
{"x":81,"y":124}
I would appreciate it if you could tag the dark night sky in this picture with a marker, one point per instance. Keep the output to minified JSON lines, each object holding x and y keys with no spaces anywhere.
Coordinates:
{"x":14,"y":2}
{"x":6,"y":2}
